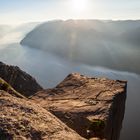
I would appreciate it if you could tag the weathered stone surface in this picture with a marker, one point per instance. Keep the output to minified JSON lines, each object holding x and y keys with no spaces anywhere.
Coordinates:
{"x":23,"y":120}
{"x":93,"y":107}
{"x":19,"y":80}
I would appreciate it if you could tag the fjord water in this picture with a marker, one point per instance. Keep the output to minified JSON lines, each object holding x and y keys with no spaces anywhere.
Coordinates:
{"x":50,"y":69}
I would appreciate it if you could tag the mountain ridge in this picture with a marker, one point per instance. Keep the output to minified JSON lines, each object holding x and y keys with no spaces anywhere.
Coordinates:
{"x":92,"y":42}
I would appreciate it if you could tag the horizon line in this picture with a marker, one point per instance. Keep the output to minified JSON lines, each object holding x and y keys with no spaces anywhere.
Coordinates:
{"x":59,"y":19}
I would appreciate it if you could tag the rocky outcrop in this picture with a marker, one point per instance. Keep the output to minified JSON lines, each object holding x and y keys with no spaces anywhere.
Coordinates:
{"x":93,"y":107}
{"x":19,"y":80}
{"x":23,"y":120}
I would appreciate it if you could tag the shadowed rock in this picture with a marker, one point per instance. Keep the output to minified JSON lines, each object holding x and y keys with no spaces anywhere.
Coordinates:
{"x":19,"y":80}
{"x":6,"y":87}
{"x":93,"y":107}
{"x":23,"y":120}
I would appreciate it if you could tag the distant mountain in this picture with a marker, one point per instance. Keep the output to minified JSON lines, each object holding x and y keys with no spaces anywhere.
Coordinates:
{"x":132,"y":36}
{"x":57,"y":35}
{"x":95,"y":42}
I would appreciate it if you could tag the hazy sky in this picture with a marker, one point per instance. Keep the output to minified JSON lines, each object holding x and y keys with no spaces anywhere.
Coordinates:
{"x":17,"y":11}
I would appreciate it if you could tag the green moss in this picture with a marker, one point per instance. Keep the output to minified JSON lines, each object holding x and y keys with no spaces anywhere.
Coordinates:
{"x":8,"y":88}
{"x":96,"y":125}
{"x":4,"y":86}
{"x":96,"y":128}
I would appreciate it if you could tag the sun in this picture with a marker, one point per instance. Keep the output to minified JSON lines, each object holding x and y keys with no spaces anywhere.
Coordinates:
{"x":79,"y":5}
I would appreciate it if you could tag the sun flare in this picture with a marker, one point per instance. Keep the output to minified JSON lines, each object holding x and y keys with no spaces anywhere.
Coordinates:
{"x":79,"y":5}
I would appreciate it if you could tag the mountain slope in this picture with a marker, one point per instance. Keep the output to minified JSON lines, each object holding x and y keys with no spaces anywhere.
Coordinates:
{"x":19,"y":80}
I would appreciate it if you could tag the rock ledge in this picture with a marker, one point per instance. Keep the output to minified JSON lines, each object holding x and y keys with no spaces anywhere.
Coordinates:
{"x":93,"y":107}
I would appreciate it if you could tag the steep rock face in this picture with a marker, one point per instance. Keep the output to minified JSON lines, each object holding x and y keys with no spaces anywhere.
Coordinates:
{"x":93,"y":107}
{"x":19,"y":80}
{"x":23,"y":120}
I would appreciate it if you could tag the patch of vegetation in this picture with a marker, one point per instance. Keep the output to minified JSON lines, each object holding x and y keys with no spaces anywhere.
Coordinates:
{"x":3,"y":85}
{"x":8,"y":88}
{"x":95,"y":129}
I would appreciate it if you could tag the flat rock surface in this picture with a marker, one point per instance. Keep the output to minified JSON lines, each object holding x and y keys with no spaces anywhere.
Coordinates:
{"x":23,"y":120}
{"x":79,"y":101}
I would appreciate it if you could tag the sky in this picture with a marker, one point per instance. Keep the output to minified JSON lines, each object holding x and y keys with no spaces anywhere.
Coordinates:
{"x":19,"y":11}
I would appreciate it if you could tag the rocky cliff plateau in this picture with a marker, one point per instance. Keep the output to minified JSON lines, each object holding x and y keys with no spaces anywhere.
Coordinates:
{"x":79,"y":108}
{"x":93,"y":107}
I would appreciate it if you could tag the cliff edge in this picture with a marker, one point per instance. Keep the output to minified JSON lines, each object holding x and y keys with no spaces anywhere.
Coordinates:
{"x":93,"y":107}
